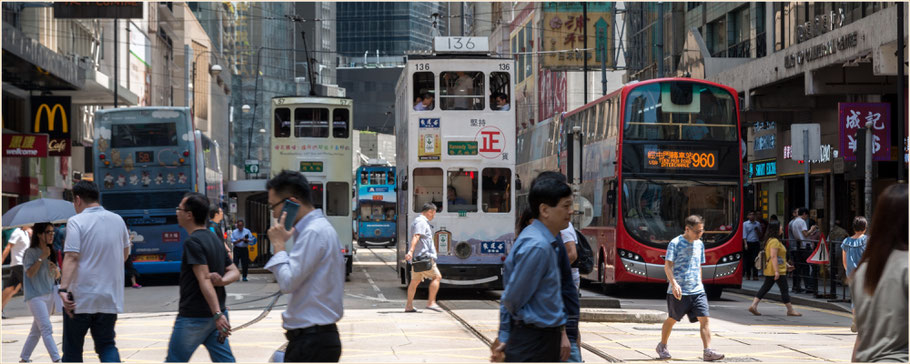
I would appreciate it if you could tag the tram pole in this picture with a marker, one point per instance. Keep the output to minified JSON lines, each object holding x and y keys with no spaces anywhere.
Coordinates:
{"x":584,"y":57}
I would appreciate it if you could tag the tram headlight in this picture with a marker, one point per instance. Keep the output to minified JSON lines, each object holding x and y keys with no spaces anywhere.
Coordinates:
{"x":463,"y":250}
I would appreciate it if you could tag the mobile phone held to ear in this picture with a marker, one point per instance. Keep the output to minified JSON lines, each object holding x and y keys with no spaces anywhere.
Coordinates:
{"x":290,"y":207}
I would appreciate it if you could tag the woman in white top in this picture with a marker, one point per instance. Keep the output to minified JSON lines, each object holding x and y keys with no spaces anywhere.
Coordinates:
{"x":879,"y":285}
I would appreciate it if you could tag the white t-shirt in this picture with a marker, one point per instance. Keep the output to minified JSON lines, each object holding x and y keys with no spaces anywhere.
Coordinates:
{"x":797,"y":226}
{"x":19,"y":241}
{"x":99,"y":236}
{"x":568,"y":235}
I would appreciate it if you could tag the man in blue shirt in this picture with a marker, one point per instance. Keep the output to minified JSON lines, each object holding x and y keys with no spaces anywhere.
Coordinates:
{"x":532,"y":313}
{"x":752,"y":241}
{"x":686,"y":293}
{"x":241,"y":238}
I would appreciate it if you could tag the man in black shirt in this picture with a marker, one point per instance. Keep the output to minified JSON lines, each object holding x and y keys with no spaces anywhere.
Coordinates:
{"x":204,"y":271}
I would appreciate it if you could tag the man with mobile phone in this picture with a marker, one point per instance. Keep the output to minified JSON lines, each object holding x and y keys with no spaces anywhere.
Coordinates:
{"x":312,"y":270}
{"x":241,"y":238}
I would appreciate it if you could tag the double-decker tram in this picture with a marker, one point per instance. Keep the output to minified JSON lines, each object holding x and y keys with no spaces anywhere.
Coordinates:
{"x":376,"y":210}
{"x":455,"y":135}
{"x":146,"y":159}
{"x":653,"y":153}
{"x":312,"y":135}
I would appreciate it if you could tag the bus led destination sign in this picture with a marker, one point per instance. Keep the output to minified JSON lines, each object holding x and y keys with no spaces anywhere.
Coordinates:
{"x":675,"y":159}
{"x":310,"y":166}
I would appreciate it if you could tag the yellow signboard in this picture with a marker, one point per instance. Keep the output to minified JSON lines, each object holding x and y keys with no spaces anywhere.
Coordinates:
{"x":563,"y":32}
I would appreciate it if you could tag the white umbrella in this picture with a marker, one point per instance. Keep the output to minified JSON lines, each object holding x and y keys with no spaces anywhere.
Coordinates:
{"x":40,"y":210}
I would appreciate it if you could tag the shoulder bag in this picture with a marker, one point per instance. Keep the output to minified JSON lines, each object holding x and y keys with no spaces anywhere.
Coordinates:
{"x":422,"y":263}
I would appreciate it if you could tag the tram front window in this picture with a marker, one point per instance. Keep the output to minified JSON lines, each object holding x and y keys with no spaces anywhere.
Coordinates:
{"x":316,"y":194}
{"x":311,"y":123}
{"x":496,"y":189}
{"x":461,"y":193}
{"x":461,"y":90}
{"x":340,"y":120}
{"x":424,"y":91}
{"x":282,"y":122}
{"x":427,"y":187}
{"x":654,"y":211}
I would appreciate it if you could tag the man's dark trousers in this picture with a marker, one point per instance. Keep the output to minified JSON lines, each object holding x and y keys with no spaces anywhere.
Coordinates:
{"x":318,"y":344}
{"x":102,"y":328}
{"x":529,"y":344}
{"x":242,"y":256}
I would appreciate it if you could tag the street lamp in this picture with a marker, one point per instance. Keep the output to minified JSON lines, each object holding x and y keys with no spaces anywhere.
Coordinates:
{"x":246,"y":109}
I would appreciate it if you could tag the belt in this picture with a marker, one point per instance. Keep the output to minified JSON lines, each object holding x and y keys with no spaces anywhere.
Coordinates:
{"x":526,"y":325}
{"x":292,"y":334}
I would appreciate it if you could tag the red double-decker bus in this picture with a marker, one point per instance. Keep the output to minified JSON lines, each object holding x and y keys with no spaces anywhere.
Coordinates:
{"x":654,"y":152}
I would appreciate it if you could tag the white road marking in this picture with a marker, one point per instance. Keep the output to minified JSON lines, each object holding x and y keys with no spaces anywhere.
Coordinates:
{"x":370,"y":279}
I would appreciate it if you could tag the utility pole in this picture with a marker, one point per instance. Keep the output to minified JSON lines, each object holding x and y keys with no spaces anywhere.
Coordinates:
{"x":867,"y":185}
{"x":116,"y":61}
{"x":901,"y":101}
{"x":584,"y":57}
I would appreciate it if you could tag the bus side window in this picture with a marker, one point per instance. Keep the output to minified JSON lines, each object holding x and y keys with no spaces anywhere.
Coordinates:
{"x":282,"y":122}
{"x":424,"y":91}
{"x":461,"y":90}
{"x":311,"y":123}
{"x":427,"y":187}
{"x":500,"y":91}
{"x":340,"y":121}
{"x":496,"y":186}
{"x":461,"y":192}
{"x":336,"y":195}
{"x":316,"y":194}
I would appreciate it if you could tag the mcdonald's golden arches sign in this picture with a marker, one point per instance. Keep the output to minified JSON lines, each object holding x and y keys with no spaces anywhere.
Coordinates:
{"x":52,"y":115}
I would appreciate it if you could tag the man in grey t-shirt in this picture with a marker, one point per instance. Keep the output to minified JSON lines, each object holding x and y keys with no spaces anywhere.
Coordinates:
{"x":422,"y":242}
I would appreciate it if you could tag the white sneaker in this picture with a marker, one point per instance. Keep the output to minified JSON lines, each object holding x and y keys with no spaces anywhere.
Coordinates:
{"x":662,"y":351}
{"x":711,"y":355}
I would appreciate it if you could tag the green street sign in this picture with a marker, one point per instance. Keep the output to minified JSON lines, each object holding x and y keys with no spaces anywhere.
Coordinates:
{"x":463,"y":148}
{"x":310,"y":166}
{"x":251,"y":166}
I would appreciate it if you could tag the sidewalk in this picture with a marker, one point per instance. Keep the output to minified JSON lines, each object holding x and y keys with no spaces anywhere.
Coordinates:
{"x":751,"y":288}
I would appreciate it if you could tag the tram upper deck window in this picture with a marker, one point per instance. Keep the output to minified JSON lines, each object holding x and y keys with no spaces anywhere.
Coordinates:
{"x":311,"y":122}
{"x":461,"y":90}
{"x":500,"y":91}
{"x":424,"y":91}
{"x":427,"y":187}
{"x":337,"y":200}
{"x":461,"y":193}
{"x":496,"y":183}
{"x":341,"y":119}
{"x":282,"y":122}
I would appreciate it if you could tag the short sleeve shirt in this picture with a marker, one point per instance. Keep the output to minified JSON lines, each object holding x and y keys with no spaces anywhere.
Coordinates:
{"x":99,"y":237}
{"x":751,"y":231}
{"x":774,"y":244}
{"x":567,"y":235}
{"x":425,"y":245}
{"x":853,"y":250}
{"x":797,"y":226}
{"x":202,"y":248}
{"x":42,"y":283}
{"x":687,"y":258}
{"x":20,"y":242}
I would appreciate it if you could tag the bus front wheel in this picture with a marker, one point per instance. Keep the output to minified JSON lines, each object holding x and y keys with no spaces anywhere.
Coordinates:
{"x":714,"y":292}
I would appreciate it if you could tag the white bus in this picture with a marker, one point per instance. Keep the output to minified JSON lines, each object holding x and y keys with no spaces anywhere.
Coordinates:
{"x":456,"y":149}
{"x":312,"y":135}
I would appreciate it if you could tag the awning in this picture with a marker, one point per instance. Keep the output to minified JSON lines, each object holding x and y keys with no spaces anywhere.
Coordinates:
{"x":31,"y":66}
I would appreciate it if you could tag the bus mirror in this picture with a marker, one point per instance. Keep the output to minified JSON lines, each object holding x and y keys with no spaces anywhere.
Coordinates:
{"x":611,"y":197}
{"x":680,"y":93}
{"x":517,"y":183}
{"x":404,"y":183}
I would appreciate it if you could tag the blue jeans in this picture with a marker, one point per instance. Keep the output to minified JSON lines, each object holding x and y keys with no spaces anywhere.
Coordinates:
{"x":575,"y":355}
{"x":189,"y":333}
{"x":102,"y":328}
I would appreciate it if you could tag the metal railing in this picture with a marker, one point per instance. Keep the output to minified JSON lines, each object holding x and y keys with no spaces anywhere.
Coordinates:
{"x":828,"y":280}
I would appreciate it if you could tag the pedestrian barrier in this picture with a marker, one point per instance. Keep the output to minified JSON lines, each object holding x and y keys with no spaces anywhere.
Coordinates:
{"x":807,"y":276}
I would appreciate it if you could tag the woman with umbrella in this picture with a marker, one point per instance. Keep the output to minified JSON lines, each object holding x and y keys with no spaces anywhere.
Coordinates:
{"x":40,"y":291}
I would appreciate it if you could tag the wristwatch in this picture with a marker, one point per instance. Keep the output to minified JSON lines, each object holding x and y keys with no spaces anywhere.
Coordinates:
{"x":62,"y":290}
{"x":40,"y":260}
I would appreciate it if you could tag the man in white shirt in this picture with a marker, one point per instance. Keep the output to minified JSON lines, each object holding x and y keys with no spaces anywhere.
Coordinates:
{"x":91,"y":287}
{"x":798,"y":232}
{"x":311,"y":269}
{"x":18,"y":243}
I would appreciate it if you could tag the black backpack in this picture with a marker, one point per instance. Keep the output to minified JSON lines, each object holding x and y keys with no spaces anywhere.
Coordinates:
{"x":585,"y":260}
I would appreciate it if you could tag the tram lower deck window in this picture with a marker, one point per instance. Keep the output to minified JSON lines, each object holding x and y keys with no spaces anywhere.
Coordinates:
{"x":461,"y":193}
{"x":337,"y":200}
{"x":427,"y":187}
{"x":496,"y":186}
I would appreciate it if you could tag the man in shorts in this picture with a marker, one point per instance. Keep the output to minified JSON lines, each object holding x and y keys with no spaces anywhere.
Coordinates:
{"x":422,"y":242}
{"x":18,"y":243}
{"x":686,"y":293}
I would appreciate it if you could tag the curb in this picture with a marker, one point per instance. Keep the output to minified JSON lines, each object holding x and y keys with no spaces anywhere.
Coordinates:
{"x":793,"y":299}
{"x":621,"y":315}
{"x":598,"y":302}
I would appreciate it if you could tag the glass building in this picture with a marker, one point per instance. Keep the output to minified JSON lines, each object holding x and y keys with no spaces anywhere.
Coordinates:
{"x":391,"y":28}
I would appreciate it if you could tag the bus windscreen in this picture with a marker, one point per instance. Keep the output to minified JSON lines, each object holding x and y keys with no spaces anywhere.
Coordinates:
{"x":143,"y":135}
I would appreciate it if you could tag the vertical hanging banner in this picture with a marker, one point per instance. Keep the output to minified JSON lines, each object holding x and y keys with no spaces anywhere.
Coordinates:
{"x":853,"y":116}
{"x":51,"y":116}
{"x":564,"y":29}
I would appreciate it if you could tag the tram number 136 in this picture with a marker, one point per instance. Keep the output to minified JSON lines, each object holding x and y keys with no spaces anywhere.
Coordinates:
{"x":422,"y":66}
{"x":456,"y":43}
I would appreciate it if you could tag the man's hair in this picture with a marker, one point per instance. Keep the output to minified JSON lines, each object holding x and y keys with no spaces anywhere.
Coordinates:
{"x":198,"y":205}
{"x":291,"y":183}
{"x":239,"y":220}
{"x":86,"y":190}
{"x":860,"y":223}
{"x":694,"y":220}
{"x":427,"y":96}
{"x":427,"y":207}
{"x":213,"y":210}
{"x":546,"y":191}
{"x":802,"y":211}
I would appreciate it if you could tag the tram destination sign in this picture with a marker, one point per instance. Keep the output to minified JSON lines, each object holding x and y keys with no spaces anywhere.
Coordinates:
{"x":310,"y":166}
{"x":463,"y":148}
{"x":656,"y":158}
